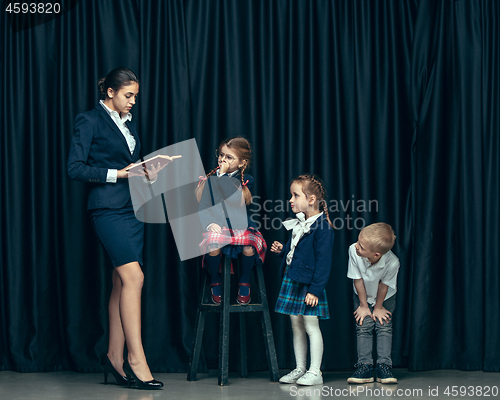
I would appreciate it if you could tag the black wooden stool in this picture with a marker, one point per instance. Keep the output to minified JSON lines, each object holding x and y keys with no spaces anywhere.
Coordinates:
{"x":225,"y":308}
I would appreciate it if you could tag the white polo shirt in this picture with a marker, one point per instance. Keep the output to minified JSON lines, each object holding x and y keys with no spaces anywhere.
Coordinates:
{"x":385,"y":271}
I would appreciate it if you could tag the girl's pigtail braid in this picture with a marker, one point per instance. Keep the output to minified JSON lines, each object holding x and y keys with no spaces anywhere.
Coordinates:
{"x":320,"y":186}
{"x":212,"y":172}
{"x":325,"y":210}
{"x":201,"y":184}
{"x":247,"y":196}
{"x":323,"y":200}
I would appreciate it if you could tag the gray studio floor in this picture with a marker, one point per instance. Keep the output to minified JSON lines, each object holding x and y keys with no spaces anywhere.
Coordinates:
{"x":412,"y":385}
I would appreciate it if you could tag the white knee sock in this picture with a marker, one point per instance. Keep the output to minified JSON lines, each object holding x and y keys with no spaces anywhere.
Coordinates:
{"x":311,"y":325}
{"x":299,"y":341}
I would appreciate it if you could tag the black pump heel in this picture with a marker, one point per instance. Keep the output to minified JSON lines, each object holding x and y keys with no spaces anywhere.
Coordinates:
{"x":148,"y":385}
{"x":107,"y":367}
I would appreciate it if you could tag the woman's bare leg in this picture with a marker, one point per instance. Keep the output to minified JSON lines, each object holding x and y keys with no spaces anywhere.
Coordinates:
{"x":132,"y":279}
{"x":116,"y":336}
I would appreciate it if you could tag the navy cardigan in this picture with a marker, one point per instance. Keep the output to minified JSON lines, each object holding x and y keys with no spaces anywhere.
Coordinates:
{"x":312,"y":258}
{"x":224,"y":188}
{"x":99,"y":145}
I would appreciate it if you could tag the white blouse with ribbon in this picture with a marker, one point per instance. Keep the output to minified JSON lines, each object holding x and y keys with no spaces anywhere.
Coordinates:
{"x":300,"y":226}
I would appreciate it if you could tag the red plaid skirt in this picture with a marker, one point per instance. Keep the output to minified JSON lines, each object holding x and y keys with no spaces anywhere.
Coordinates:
{"x":232,"y":245}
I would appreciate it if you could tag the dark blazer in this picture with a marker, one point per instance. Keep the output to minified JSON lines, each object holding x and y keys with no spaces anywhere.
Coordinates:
{"x":223,"y":188}
{"x":312,"y":258}
{"x":99,"y":145}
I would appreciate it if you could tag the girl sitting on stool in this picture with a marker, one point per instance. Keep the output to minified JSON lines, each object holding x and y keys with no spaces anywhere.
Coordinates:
{"x":228,"y":187}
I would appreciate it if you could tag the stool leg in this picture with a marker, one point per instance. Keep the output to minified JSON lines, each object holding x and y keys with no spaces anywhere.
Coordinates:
{"x":224,"y":324}
{"x":195,"y":357}
{"x":243,"y":346}
{"x":199,"y":328}
{"x":243,"y":333}
{"x":272,"y":360}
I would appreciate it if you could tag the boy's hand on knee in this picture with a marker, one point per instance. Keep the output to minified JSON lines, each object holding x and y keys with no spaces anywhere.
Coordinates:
{"x":361,"y":313}
{"x":382,"y":315}
{"x":276,"y":247}
{"x":311,"y":300}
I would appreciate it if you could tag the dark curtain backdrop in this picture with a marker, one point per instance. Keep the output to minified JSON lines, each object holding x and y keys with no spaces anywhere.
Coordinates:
{"x":395,"y":104}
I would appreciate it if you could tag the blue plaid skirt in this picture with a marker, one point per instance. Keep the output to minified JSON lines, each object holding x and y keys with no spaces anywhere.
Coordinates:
{"x":291,"y":300}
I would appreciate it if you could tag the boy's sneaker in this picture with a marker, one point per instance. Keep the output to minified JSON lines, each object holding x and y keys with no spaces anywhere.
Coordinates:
{"x":384,"y":374}
{"x":310,"y":378}
{"x":292,"y":377}
{"x":363,"y":374}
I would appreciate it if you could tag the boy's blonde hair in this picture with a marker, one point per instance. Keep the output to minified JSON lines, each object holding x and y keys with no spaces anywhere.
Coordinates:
{"x":380,"y":236}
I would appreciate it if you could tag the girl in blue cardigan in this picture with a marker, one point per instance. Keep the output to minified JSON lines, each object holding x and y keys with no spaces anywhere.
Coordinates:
{"x":307,"y":260}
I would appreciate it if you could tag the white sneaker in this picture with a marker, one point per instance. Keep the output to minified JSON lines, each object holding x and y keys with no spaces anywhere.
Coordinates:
{"x":292,"y":377}
{"x":310,"y":378}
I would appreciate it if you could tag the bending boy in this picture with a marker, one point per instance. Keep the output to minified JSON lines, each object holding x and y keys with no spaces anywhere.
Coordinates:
{"x":374,"y":270}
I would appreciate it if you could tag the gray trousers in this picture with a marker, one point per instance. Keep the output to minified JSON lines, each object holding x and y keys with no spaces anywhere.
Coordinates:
{"x":383,"y":332}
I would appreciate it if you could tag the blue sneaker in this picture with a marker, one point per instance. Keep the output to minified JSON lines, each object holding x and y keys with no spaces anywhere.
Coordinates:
{"x":384,"y":374}
{"x":363,"y":374}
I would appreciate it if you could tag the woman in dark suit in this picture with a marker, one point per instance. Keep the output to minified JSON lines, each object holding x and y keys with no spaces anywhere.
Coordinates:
{"x":104,"y":144}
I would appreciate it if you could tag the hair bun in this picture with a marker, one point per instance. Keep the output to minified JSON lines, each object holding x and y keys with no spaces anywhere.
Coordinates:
{"x":100,"y":85}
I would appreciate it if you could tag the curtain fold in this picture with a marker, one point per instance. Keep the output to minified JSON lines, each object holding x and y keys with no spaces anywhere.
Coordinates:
{"x":490,"y":180}
{"x":394,"y":104}
{"x":450,"y":191}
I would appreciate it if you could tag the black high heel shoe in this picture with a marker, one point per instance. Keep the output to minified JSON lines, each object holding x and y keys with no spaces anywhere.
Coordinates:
{"x":131,"y":376}
{"x":107,"y":367}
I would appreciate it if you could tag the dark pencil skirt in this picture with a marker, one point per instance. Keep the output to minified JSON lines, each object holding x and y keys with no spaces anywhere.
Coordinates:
{"x":121,"y":234}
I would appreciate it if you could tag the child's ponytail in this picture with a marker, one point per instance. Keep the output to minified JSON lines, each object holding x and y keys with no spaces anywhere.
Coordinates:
{"x":247,"y":196}
{"x":324,"y":205}
{"x":201,"y":184}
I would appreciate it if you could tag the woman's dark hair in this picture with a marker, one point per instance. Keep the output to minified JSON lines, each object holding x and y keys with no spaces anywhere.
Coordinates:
{"x":115,"y":80}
